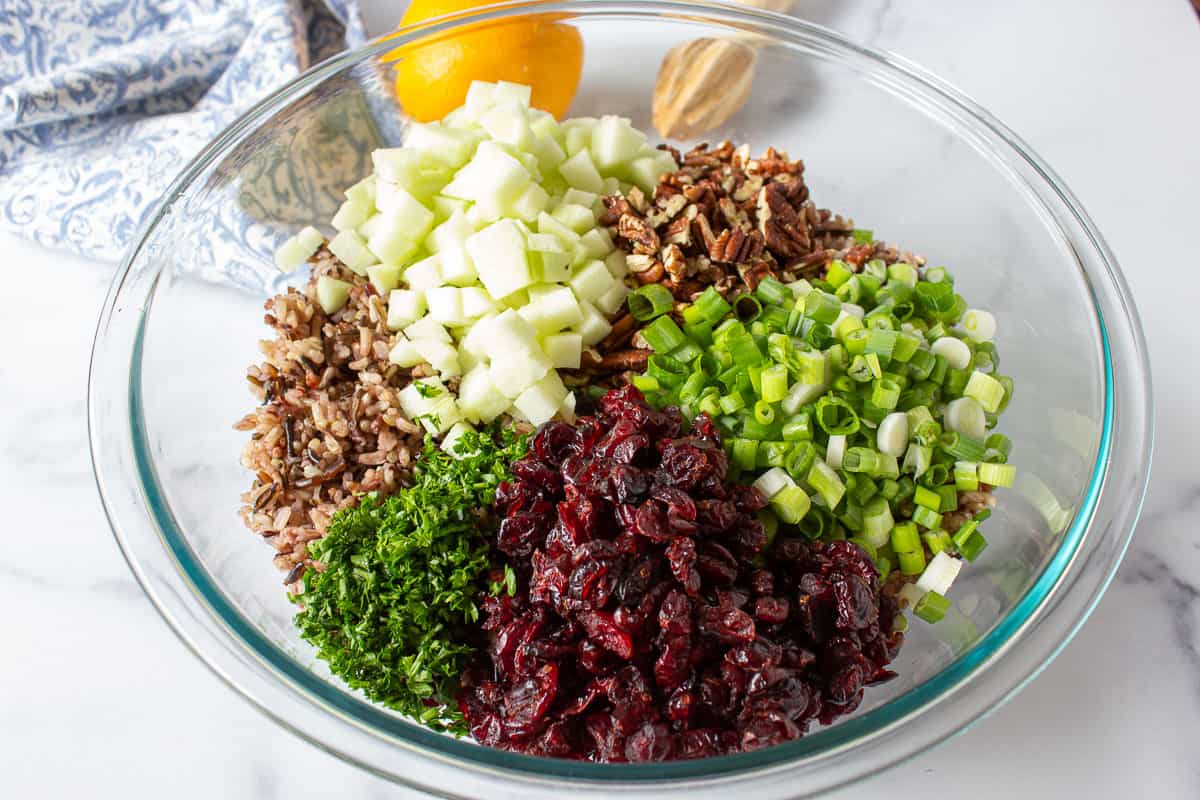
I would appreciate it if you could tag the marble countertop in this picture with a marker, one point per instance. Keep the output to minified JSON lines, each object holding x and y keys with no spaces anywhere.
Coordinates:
{"x":98,"y":698}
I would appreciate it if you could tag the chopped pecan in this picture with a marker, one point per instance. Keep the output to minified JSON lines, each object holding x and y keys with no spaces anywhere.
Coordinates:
{"x":639,"y":262}
{"x":615,"y":207}
{"x":784,"y":232}
{"x":679,"y":230}
{"x":732,"y":246}
{"x":615,"y":362}
{"x":638,"y":233}
{"x":674,"y":261}
{"x":754,"y":272}
{"x":622,"y":331}
{"x":707,"y":237}
{"x":637,"y":199}
{"x":652,"y":275}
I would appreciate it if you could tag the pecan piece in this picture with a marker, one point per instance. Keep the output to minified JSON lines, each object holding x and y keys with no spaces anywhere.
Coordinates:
{"x":638,"y":233}
{"x":622,"y":331}
{"x":615,"y":207}
{"x":784,"y":232}
{"x":674,"y":261}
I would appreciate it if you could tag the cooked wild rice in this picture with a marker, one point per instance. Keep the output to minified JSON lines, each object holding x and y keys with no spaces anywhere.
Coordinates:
{"x":330,"y":423}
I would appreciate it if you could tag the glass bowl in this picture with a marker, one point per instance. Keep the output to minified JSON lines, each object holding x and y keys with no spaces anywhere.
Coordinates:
{"x":885,"y":142}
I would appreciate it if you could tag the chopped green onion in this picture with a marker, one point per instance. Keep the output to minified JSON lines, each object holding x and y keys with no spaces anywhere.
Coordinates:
{"x":1000,"y":443}
{"x":825,"y":481}
{"x":902,"y":273}
{"x":906,"y":538}
{"x":798,"y":427}
{"x":822,"y":307}
{"x":960,"y":446}
{"x":835,"y":415}
{"x":711,"y":306}
{"x":986,"y":390}
{"x":1001,"y":475}
{"x":932,"y":607}
{"x":800,"y":459}
{"x":668,"y":371}
{"x":745,"y":453}
{"x":912,"y":563}
{"x":877,"y":521}
{"x":650,"y":301}
{"x":663,"y":335}
{"x":917,"y":459}
{"x":926,"y":517}
{"x":771,"y":292}
{"x":790,"y":504}
{"x":937,"y":475}
{"x":928,"y":498}
{"x":966,"y":476}
{"x":774,"y":383}
{"x":772,"y":454}
{"x":860,"y":459}
{"x":949,"y":497}
{"x":646,"y":384}
{"x":939,"y":275}
{"x":747,"y":307}
{"x":764,"y":413}
{"x":838,"y":272}
{"x":936,"y":541}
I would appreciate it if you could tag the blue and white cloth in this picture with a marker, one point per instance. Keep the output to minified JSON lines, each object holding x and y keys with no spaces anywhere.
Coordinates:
{"x":103,"y":102}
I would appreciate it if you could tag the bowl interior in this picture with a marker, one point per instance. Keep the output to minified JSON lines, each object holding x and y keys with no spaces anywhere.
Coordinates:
{"x":919,"y":176}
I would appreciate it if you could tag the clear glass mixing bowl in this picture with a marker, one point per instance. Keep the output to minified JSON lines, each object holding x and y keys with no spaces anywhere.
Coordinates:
{"x":885,"y":142}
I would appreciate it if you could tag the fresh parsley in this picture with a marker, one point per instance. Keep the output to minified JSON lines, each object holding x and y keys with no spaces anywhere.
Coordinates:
{"x":392,"y":610}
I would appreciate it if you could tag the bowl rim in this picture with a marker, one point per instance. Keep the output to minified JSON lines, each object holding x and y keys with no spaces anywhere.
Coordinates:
{"x":353,"y":713}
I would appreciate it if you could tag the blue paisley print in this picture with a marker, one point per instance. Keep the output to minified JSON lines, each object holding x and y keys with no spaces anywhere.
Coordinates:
{"x":102,"y":102}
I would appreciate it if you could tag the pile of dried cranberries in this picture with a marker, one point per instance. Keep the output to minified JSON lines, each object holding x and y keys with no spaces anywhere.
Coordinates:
{"x":652,"y":619}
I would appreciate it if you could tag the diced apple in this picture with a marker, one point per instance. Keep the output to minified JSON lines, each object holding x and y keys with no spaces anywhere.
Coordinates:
{"x":514,"y":372}
{"x":580,"y":172}
{"x":412,"y":170}
{"x":548,"y":152}
{"x":476,"y":341}
{"x":457,"y":431}
{"x":404,"y":308}
{"x":594,"y":327}
{"x":440,"y":355}
{"x":616,"y":264}
{"x":479,"y":98}
{"x":548,"y":259}
{"x":445,"y":305}
{"x":508,"y":333}
{"x":363,"y":191}
{"x":476,"y":302}
{"x":404,"y":354}
{"x":580,"y":219}
{"x":404,"y":227}
{"x":508,"y":93}
{"x":499,"y":255}
{"x":352,"y":251}
{"x":567,"y":409}
{"x":530,"y":203}
{"x":425,"y":274}
{"x":351,"y":214}
{"x":455,"y":230}
{"x":478,"y":397}
{"x":596,"y":243}
{"x":541,"y":401}
{"x":384,"y":277}
{"x":611,"y":301}
{"x":646,"y":170}
{"x":451,"y":146}
{"x":577,"y":134}
{"x":332,"y":294}
{"x":548,"y":224}
{"x":563,"y":349}
{"x":444,"y":207}
{"x":298,"y":249}
{"x":578,"y":197}
{"x":508,"y":124}
{"x":591,"y":281}
{"x":614,"y":142}
{"x":492,"y":175}
{"x":612,"y":186}
{"x":544,"y":124}
{"x":427,"y":328}
{"x":551,"y":309}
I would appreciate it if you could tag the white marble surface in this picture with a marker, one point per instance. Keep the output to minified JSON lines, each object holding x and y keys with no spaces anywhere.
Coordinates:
{"x":98,"y":698}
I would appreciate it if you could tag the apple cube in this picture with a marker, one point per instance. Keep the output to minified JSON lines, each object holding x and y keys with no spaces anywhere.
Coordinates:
{"x":580,"y":172}
{"x":404,"y":308}
{"x":425,"y":274}
{"x":451,"y":146}
{"x":614,"y":142}
{"x":404,"y":354}
{"x":530,"y":203}
{"x":591,"y":281}
{"x":617,"y":267}
{"x":596,"y":243}
{"x":384,"y":277}
{"x":552,"y":308}
{"x":492,"y":175}
{"x":332,"y":294}
{"x":580,"y":219}
{"x":352,"y":251}
{"x":499,"y":255}
{"x":508,"y":124}
{"x":513,"y":372}
{"x":594,"y":327}
{"x":541,"y":401}
{"x":440,"y":355}
{"x":352,"y":213}
{"x":548,"y":259}
{"x":563,"y":349}
{"x":427,"y":328}
{"x":445,"y":305}
{"x":611,"y":301}
{"x":476,"y":302}
{"x":548,"y":224}
{"x":478,"y":397}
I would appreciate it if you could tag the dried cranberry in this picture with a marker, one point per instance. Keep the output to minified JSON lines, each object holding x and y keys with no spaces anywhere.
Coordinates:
{"x":647,"y":625}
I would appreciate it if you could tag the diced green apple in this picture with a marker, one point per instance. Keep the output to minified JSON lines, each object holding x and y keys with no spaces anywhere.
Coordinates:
{"x":563,"y":349}
{"x":451,"y":146}
{"x":298,"y":249}
{"x":445,"y":305}
{"x":404,"y":308}
{"x":580,"y":172}
{"x":404,"y":354}
{"x":425,"y":274}
{"x":548,"y":224}
{"x":492,"y":175}
{"x":384,"y":277}
{"x":476,"y":302}
{"x":614,"y":142}
{"x":508,"y":124}
{"x":548,"y":259}
{"x":616,"y":264}
{"x":440,"y":355}
{"x":594,"y":327}
{"x":499,"y":255}
{"x":580,"y":219}
{"x":332,"y":294}
{"x":352,"y":251}
{"x":596,"y":243}
{"x":427,"y":328}
{"x":351,"y":214}
{"x":541,"y":401}
{"x":478,"y":397}
{"x":591,"y":281}
{"x":551,"y":308}
{"x":611,"y":301}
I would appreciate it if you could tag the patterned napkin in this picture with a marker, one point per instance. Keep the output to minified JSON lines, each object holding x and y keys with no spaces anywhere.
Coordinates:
{"x":102,"y":102}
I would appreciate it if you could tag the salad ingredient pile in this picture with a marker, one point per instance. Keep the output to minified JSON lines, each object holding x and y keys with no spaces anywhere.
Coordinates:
{"x":786,"y":438}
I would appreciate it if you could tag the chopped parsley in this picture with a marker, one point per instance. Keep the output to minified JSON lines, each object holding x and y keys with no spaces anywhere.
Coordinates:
{"x":390,"y":611}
